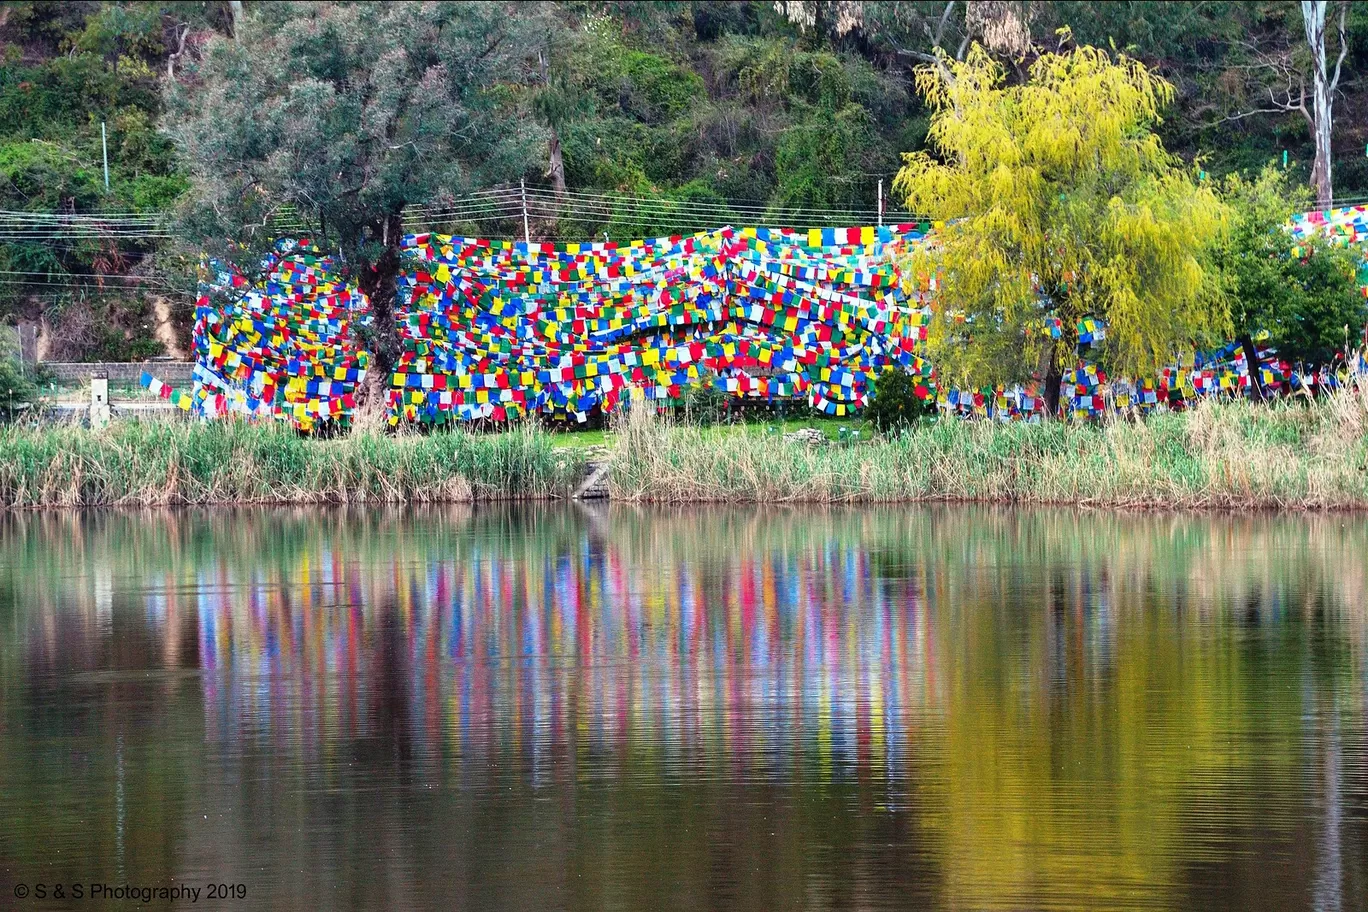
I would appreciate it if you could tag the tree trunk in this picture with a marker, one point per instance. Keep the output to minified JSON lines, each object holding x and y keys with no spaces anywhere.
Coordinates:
{"x":1321,"y":181}
{"x":1060,"y":353}
{"x":180,"y":49}
{"x":235,"y":10}
{"x":379,"y":281}
{"x":1054,"y":379}
{"x":557,"y":169}
{"x":1323,"y":85}
{"x":1252,"y":360}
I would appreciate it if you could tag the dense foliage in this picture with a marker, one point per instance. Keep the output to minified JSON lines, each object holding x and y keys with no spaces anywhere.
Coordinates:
{"x":805,"y":103}
{"x":18,"y":385}
{"x":894,"y":402}
{"x":347,"y":114}
{"x":68,"y":68}
{"x":1055,"y":201}
{"x":1304,"y":293}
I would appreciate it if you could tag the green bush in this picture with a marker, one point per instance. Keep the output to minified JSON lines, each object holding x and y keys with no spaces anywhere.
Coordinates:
{"x":894,"y":403}
{"x":1304,"y":292}
{"x":705,"y":404}
{"x":18,"y":387}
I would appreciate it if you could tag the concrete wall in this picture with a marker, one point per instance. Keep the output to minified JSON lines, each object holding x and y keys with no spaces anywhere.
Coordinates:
{"x":169,"y":371}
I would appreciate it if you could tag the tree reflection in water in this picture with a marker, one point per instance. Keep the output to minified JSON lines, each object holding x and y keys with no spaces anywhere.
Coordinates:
{"x":953,"y":707}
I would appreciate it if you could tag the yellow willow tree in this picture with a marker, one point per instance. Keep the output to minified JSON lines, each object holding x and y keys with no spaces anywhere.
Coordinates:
{"x":1055,"y":199}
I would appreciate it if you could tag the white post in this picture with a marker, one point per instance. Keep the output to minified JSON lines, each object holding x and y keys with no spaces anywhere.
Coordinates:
{"x":527,"y":233}
{"x":881,"y":202}
{"x":99,"y":402}
{"x":104,"y":145}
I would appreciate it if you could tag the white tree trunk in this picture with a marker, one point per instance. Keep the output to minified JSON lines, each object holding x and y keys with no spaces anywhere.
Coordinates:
{"x":235,"y":9}
{"x":1323,"y":85}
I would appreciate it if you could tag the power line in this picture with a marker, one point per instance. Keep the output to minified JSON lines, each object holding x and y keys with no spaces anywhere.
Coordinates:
{"x":599,"y":200}
{"x":585,"y":207}
{"x":699,"y":205}
{"x":21,"y":237}
{"x":34,"y":215}
{"x":41,"y":278}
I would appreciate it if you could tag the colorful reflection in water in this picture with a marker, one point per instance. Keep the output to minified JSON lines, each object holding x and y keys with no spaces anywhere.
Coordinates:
{"x":952,"y":708}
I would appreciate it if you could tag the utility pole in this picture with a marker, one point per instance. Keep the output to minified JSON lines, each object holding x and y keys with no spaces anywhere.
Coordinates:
{"x":881,"y":202}
{"x":527,"y":233}
{"x":104,"y":145}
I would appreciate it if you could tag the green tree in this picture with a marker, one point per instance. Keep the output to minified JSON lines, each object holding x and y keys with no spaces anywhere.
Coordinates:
{"x":1054,"y":198}
{"x":1305,"y":292}
{"x":559,"y":99}
{"x":18,"y":386}
{"x":895,"y":403}
{"x":346,"y":115}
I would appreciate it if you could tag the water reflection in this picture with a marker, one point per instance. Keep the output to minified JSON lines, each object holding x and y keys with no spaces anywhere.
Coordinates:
{"x":955,"y":708}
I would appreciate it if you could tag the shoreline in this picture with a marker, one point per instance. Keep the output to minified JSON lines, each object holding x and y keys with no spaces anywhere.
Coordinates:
{"x":1266,"y":508}
{"x":1218,"y":457}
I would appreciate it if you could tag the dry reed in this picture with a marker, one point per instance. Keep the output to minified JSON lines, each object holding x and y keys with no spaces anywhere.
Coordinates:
{"x":161,"y":463}
{"x":1293,"y":455}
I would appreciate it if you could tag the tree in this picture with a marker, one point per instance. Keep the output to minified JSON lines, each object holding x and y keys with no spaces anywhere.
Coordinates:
{"x":560,"y":98}
{"x":1292,"y":75}
{"x":940,"y":30}
{"x":1054,"y":199}
{"x":895,"y":403}
{"x":1324,"y":82}
{"x":345,"y":115}
{"x":827,"y":19}
{"x":1303,"y":292}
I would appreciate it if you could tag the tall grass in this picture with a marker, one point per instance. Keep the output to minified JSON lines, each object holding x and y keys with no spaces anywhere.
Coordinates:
{"x":159,"y":463}
{"x":1220,"y":454}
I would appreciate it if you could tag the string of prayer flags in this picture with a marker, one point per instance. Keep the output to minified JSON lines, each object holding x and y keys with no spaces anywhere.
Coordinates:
{"x":1091,"y":330}
{"x":501,"y":329}
{"x":285,"y":346}
{"x":497,"y":330}
{"x":179,"y":398}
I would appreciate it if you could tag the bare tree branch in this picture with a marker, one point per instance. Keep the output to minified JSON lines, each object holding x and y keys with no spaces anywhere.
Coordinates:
{"x":1343,"y":43}
{"x":180,"y":49}
{"x":938,"y":39}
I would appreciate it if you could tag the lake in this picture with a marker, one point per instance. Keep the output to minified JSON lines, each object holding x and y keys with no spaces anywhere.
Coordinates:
{"x":696,"y":709}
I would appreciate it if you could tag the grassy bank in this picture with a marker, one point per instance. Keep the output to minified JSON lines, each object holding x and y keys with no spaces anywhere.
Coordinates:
{"x":1232,"y":454}
{"x":134,"y":463}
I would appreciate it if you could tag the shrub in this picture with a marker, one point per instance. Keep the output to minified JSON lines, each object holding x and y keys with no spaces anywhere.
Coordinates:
{"x":18,"y":387}
{"x":705,"y":404}
{"x":894,"y":403}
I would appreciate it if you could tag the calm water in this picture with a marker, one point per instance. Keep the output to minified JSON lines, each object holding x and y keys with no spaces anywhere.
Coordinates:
{"x":621,"y":709}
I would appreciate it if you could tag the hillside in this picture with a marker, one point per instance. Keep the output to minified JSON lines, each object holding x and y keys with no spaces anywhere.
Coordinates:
{"x":735,"y":111}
